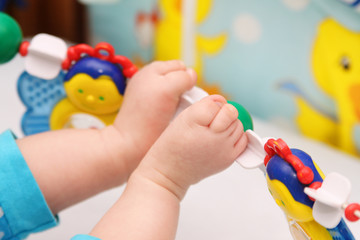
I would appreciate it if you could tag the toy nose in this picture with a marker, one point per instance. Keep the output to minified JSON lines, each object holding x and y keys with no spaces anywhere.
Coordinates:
{"x":90,"y":98}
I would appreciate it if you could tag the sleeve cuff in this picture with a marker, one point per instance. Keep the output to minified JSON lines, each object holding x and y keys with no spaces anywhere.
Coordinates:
{"x":84,"y":237}
{"x":23,"y":205}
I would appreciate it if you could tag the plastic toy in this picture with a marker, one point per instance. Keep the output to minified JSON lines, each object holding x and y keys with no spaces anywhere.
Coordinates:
{"x":44,"y":55}
{"x":88,"y":95}
{"x":11,"y":37}
{"x":79,"y":87}
{"x":94,"y":84}
{"x":313,"y":204}
{"x":39,"y":97}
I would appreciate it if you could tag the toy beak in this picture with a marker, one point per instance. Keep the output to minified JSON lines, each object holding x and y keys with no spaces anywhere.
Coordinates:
{"x":354,"y":93}
{"x":90,"y":98}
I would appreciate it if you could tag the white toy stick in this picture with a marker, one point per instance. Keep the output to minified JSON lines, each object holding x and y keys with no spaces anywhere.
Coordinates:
{"x":188,"y":98}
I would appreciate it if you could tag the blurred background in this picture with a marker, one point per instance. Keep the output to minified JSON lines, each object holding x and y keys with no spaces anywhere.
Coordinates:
{"x":66,"y":19}
{"x":270,"y":56}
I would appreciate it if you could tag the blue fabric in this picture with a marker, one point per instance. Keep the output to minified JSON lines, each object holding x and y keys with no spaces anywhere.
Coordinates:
{"x":23,"y":207}
{"x":84,"y":237}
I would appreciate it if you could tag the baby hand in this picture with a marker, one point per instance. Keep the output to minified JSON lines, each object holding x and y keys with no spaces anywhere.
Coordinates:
{"x":150,"y":101}
{"x":204,"y":139}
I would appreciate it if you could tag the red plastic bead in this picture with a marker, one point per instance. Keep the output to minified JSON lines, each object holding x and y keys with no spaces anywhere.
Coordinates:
{"x":268,"y":148}
{"x":65,"y":64}
{"x":350,"y":212}
{"x":282,"y":148}
{"x":305,"y":175}
{"x":23,"y":49}
{"x":315,"y":185}
{"x":129,"y":69}
{"x":71,"y":54}
{"x":295,"y":162}
{"x":266,"y":160}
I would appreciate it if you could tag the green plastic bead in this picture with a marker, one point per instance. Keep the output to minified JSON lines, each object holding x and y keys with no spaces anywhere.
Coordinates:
{"x":10,"y":37}
{"x":244,"y":116}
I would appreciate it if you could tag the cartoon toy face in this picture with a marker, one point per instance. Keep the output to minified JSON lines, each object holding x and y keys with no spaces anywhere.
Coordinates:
{"x":97,"y":96}
{"x":336,"y":65}
{"x":287,"y":190}
{"x":95,"y":86}
{"x":336,"y":69}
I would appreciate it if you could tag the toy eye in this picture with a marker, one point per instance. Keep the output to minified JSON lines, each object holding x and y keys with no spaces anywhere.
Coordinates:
{"x":345,"y":63}
{"x":80,"y":91}
{"x":270,"y":191}
{"x":101,"y":98}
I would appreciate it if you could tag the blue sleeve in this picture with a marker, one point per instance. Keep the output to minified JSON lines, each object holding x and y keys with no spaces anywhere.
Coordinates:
{"x":23,"y":209}
{"x":84,"y":237}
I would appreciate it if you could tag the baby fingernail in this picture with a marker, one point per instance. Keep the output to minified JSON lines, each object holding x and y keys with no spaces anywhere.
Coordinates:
{"x":192,"y":73}
{"x":232,"y":109}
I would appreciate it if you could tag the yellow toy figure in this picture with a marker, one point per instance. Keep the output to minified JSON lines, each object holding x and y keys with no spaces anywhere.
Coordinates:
{"x":288,"y":173}
{"x":335,"y":63}
{"x":94,"y":84}
{"x":170,"y":33}
{"x":313,"y":204}
{"x":290,"y":197}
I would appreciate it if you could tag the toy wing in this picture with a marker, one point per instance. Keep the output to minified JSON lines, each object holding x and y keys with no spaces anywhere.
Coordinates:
{"x":330,"y":199}
{"x":39,"y":96}
{"x":44,"y":56}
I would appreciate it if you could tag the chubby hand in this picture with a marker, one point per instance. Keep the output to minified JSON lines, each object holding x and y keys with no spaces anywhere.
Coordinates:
{"x":204,"y":139}
{"x":150,"y":101}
